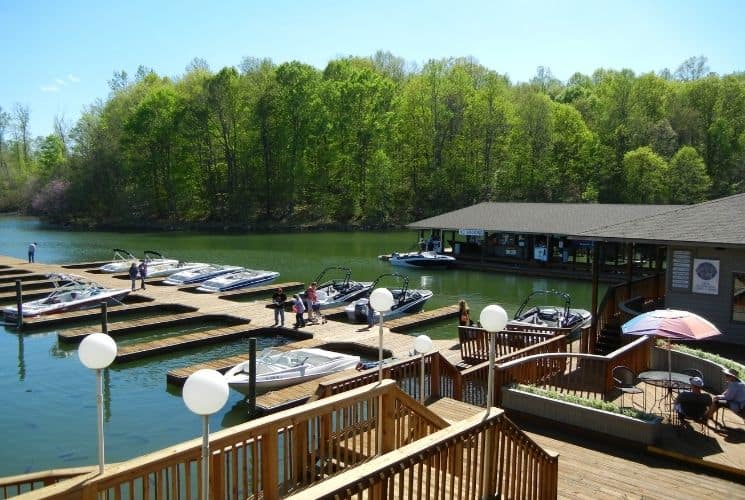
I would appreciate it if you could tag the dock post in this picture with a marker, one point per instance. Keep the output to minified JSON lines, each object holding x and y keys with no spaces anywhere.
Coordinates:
{"x":252,"y":377}
{"x":104,"y":318}
{"x":19,"y":304}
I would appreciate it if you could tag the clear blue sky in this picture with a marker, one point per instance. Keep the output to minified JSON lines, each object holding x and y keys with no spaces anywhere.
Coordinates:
{"x":59,"y":55}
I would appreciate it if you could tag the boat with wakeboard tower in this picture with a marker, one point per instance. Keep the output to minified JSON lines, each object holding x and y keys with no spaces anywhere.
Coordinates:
{"x":122,"y":260}
{"x":334,"y":291}
{"x":532,"y":312}
{"x":71,"y":293}
{"x":276,"y":369}
{"x":159,"y":266}
{"x":405,"y":301}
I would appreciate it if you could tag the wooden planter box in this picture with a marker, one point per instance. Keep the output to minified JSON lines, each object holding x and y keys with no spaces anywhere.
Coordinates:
{"x":583,"y":417}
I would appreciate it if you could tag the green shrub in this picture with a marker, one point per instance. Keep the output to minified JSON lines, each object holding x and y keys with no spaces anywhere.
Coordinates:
{"x":725,"y":362}
{"x":597,"y":404}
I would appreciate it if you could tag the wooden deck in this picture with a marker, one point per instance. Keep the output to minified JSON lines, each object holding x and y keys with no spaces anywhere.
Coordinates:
{"x":591,"y":469}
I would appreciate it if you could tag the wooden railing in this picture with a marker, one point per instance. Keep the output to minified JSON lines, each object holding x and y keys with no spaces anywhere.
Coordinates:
{"x":587,"y":375}
{"x":474,"y":342}
{"x":484,"y":456}
{"x":272,"y":456}
{"x":472,"y":382}
{"x":12,"y":486}
{"x":406,"y":373}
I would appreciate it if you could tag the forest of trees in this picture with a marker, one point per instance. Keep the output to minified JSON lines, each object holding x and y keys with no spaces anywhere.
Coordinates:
{"x":373,"y":142}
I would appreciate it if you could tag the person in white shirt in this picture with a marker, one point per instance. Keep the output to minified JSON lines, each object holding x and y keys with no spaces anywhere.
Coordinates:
{"x":734,"y":395}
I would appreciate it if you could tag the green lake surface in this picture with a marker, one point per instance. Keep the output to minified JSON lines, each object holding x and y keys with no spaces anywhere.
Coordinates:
{"x":48,"y":417}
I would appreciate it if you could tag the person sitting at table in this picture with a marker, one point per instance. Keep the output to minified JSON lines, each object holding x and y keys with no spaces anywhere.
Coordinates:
{"x":734,"y":395}
{"x":693,"y":404}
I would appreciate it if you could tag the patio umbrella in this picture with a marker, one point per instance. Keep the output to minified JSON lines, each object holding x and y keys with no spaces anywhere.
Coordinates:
{"x":671,"y":324}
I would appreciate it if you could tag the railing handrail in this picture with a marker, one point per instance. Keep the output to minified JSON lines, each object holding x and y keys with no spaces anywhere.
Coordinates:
{"x":597,"y":357}
{"x":558,"y":339}
{"x":382,"y":467}
{"x":220,"y":439}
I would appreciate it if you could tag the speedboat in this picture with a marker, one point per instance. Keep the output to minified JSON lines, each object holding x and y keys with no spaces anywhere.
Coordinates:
{"x":162,"y":269}
{"x":70,"y":293}
{"x":276,"y":369}
{"x":427,"y":260}
{"x":530,"y":313}
{"x":199,"y":274}
{"x":154,"y":258}
{"x":159,"y":266}
{"x":336,"y":291}
{"x":405,"y":301}
{"x":238,"y":279}
{"x":122,"y":261}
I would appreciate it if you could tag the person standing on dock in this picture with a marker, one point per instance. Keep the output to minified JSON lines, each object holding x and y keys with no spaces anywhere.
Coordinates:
{"x":310,"y":294}
{"x":464,"y":313}
{"x":278,"y":299}
{"x":142,"y":268}
{"x":133,"y":272}
{"x":32,"y":252}
{"x":299,"y":309}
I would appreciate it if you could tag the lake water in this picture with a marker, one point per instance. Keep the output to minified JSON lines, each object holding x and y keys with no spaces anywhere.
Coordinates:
{"x":48,"y":398}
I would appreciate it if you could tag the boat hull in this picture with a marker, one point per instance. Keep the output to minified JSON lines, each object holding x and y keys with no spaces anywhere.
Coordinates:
{"x":284,"y":369}
{"x":244,"y":279}
{"x":422,"y":260}
{"x":357,"y":311}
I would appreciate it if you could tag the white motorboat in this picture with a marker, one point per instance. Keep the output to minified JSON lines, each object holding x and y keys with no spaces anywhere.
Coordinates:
{"x":276,"y":369}
{"x":422,"y":260}
{"x":70,"y":293}
{"x":163,"y":269}
{"x":122,"y":260}
{"x":238,"y":279}
{"x":405,"y":301}
{"x":336,"y":291}
{"x":556,"y":316}
{"x":200,"y":274}
{"x":153,"y":258}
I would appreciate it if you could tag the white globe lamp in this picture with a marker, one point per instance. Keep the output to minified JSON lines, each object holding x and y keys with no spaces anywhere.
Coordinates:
{"x":97,"y":351}
{"x":493,"y":319}
{"x":381,"y":300}
{"x":204,"y":393}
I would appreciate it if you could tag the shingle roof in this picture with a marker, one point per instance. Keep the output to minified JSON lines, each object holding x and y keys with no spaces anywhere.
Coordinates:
{"x":539,"y":218}
{"x":716,"y":222}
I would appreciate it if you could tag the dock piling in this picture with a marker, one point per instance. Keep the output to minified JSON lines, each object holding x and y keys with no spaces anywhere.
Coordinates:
{"x":104,"y":318}
{"x":19,"y":304}
{"x":252,"y":377}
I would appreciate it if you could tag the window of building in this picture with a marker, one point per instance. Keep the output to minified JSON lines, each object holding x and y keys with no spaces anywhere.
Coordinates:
{"x":738,"y":297}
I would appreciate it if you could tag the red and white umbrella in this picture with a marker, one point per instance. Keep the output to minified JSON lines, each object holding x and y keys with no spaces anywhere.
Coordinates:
{"x":671,"y":324}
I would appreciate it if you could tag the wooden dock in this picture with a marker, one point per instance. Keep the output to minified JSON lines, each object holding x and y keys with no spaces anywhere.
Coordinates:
{"x":113,"y":311}
{"x":120,"y":328}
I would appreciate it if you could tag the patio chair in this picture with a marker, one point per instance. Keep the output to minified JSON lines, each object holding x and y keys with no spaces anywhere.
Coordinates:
{"x":694,"y":407}
{"x":625,"y":380}
{"x":719,"y":414}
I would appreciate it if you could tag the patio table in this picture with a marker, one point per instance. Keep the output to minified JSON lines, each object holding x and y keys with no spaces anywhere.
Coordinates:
{"x":672,"y":384}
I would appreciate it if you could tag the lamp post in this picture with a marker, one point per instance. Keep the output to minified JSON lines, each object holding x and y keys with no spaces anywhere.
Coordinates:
{"x":97,"y":351}
{"x":205,"y":392}
{"x":381,"y":300}
{"x":422,"y":345}
{"x":493,"y":318}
